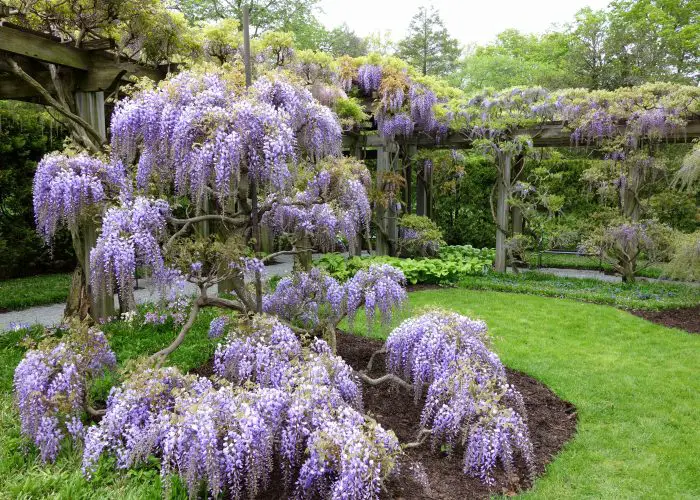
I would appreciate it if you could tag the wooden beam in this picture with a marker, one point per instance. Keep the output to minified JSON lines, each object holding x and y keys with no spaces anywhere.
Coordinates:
{"x":548,"y":135}
{"x":44,"y":49}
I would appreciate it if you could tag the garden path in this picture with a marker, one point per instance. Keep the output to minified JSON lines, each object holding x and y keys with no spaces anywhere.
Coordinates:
{"x":52,"y":314}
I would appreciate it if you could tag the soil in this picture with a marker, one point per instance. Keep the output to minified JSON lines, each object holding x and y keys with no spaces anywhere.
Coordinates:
{"x":552,"y":423}
{"x":686,"y":318}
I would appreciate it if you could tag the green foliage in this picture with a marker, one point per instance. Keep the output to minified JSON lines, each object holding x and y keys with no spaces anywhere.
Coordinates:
{"x":462,"y":184}
{"x":341,"y":41}
{"x":27,"y":132}
{"x":350,"y":111}
{"x":637,"y":295}
{"x":516,"y":58}
{"x":147,"y":30}
{"x":685,"y":264}
{"x":429,"y":46}
{"x":21,"y":293}
{"x":678,"y":210}
{"x":418,"y":236}
{"x":454,"y":264}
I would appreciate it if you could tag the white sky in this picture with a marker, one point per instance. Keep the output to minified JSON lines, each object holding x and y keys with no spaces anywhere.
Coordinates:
{"x":469,"y":20}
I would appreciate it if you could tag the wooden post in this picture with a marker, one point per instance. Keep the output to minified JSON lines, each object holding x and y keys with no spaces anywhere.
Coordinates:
{"x":502,"y":212}
{"x":517,"y":216}
{"x":91,"y":107}
{"x":421,"y":191}
{"x":381,"y":211}
{"x":101,"y":302}
{"x":356,"y":249}
{"x":408,"y":176}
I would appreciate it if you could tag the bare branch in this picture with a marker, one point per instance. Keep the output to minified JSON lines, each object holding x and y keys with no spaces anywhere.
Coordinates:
{"x":236,"y":221}
{"x":272,"y":256}
{"x":371,"y":359}
{"x":164,"y":353}
{"x":389,"y":377}
{"x":420,"y":439}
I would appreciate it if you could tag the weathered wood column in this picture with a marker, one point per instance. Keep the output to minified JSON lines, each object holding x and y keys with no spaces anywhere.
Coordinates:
{"x":356,"y":249}
{"x":502,"y":211}
{"x":382,"y":245}
{"x":91,"y":107}
{"x":387,"y":229}
{"x":517,"y":216}
{"x":421,"y":191}
{"x":408,"y":176}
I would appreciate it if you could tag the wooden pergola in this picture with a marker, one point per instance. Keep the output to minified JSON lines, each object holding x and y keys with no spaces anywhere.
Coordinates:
{"x":90,"y":74}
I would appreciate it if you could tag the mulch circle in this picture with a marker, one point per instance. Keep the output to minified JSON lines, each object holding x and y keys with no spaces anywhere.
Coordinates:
{"x":686,"y":318}
{"x":552,"y":423}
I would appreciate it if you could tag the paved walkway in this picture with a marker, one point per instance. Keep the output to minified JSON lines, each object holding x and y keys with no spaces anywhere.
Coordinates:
{"x":52,"y":314}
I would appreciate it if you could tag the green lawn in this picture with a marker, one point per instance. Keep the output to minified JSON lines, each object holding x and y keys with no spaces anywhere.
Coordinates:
{"x":638,"y":295}
{"x":21,"y":293}
{"x":635,"y":385}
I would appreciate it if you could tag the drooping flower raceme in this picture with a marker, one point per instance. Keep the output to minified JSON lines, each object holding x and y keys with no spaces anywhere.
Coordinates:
{"x":468,"y":397}
{"x":64,"y":186}
{"x":50,"y":387}
{"x":369,"y":77}
{"x":131,"y":235}
{"x":198,"y":132}
{"x":334,"y":205}
{"x":315,"y":300}
{"x":277,"y":405}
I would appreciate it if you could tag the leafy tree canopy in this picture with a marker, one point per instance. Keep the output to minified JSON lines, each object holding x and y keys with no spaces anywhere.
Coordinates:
{"x":429,"y":46}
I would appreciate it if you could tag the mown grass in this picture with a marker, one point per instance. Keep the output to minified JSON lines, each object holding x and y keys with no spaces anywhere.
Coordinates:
{"x":634,"y":384}
{"x":638,"y":295}
{"x":572,"y":261}
{"x":23,"y":476}
{"x":21,"y":293}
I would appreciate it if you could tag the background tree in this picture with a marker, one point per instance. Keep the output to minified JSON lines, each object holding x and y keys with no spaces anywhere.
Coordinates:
{"x":265,"y":15}
{"x":27,"y":132}
{"x":429,"y":46}
{"x":515,"y":58}
{"x":342,"y":41}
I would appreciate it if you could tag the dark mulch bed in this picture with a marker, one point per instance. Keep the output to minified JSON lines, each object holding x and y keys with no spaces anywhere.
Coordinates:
{"x":552,"y":423}
{"x":686,"y":318}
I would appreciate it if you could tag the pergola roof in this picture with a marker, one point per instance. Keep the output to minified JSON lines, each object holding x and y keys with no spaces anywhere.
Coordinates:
{"x":96,"y":67}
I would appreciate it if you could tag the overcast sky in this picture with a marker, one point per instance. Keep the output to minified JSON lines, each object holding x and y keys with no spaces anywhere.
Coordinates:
{"x":470,"y":21}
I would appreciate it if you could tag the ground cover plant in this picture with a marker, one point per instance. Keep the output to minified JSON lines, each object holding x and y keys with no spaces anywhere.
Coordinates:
{"x":576,"y":261}
{"x":638,"y":295}
{"x":453,"y":263}
{"x":21,"y":293}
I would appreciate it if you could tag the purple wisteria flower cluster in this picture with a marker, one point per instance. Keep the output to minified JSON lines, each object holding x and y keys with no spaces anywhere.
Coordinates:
{"x":468,"y":400}
{"x":278,"y":406}
{"x":334,"y":205}
{"x":64,"y":186}
{"x":369,"y":77}
{"x":50,"y":386}
{"x":315,"y":300}
{"x":197,"y":132}
{"x":131,"y":235}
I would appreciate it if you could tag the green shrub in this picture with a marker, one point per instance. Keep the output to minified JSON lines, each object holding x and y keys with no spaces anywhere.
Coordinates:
{"x":454,"y":264}
{"x":419,"y":237}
